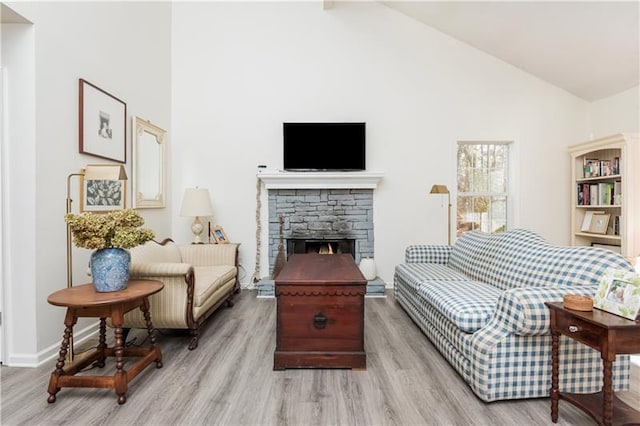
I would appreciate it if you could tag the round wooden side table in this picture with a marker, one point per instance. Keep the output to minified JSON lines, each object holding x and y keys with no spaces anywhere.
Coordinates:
{"x":85,"y":301}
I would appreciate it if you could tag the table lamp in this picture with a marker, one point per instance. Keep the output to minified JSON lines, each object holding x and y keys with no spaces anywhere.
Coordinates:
{"x":196,"y":203}
{"x":442,"y":189}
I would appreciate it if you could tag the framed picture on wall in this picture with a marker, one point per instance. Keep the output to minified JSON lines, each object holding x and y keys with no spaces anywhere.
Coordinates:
{"x":103,"y":123}
{"x":97,"y":195}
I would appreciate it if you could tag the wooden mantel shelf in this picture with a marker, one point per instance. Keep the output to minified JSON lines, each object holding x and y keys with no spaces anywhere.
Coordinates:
{"x":278,"y":179}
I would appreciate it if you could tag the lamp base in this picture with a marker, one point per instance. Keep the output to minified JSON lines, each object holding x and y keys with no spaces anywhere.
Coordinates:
{"x":196,"y":228}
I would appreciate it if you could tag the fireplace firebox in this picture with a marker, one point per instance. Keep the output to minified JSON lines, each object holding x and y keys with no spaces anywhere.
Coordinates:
{"x":299,"y":245}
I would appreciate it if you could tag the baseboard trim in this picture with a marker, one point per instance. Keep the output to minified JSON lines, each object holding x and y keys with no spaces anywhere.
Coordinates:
{"x":51,"y":353}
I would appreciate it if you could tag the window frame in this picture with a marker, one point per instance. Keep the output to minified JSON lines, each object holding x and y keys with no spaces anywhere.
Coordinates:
{"x":509,"y":177}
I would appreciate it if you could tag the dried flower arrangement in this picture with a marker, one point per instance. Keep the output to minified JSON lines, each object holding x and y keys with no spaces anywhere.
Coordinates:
{"x":116,"y":229}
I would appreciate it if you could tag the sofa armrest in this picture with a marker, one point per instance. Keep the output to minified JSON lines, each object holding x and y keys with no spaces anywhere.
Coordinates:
{"x":427,"y":254}
{"x":209,"y":254}
{"x":160,"y":269}
{"x":522,"y":310}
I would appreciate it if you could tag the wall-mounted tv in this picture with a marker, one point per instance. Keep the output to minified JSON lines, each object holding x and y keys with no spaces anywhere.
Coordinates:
{"x":324,"y":146}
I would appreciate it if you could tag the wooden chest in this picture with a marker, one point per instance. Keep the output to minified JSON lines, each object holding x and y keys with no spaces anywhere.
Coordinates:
{"x":320,"y":318}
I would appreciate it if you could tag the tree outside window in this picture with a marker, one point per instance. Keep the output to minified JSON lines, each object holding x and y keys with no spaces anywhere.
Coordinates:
{"x":482,"y":186}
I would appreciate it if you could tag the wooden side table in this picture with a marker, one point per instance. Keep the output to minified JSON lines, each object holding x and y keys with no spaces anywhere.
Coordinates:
{"x":84,"y":301}
{"x":607,"y":333}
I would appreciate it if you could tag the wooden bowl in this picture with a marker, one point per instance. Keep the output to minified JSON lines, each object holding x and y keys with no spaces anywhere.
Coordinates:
{"x":577,"y":302}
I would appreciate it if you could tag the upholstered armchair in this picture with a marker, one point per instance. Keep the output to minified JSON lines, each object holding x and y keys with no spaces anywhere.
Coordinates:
{"x":198,"y":278}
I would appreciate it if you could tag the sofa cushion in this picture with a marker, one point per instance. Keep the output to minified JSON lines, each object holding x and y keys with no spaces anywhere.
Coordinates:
{"x":209,"y":279}
{"x":415,"y":273}
{"x":152,"y":252}
{"x":468,"y":304}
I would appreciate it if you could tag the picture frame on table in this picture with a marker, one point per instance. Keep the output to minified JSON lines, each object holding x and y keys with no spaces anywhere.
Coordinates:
{"x":619,"y":293}
{"x":599,"y":223}
{"x":98,"y":195}
{"x":103,"y":123}
{"x":219,"y":235}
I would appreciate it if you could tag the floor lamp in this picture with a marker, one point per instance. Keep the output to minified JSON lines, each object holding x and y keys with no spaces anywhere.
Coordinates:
{"x":90,"y":172}
{"x":442,"y":189}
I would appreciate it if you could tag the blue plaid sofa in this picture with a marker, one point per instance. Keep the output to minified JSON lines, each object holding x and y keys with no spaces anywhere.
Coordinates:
{"x":481,"y":303}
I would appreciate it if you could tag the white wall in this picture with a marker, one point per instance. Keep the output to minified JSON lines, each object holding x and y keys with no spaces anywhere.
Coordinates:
{"x":616,"y":114}
{"x":19,"y":195}
{"x":123,"y":48}
{"x":241,"y":69}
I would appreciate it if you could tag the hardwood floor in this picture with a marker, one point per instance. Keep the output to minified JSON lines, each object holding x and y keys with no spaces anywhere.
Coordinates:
{"x":229,"y":380}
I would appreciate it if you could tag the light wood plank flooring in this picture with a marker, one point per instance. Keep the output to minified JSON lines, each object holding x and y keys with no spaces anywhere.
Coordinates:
{"x":228,"y":380}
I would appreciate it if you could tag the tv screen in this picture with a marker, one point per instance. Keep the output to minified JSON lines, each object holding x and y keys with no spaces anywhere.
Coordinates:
{"x":324,"y":146}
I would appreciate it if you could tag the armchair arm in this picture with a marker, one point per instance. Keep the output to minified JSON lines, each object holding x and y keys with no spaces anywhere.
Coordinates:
{"x":160,"y":269}
{"x":522,"y":310}
{"x":427,"y":254}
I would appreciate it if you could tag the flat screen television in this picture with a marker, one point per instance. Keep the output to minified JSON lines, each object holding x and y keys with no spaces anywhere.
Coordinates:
{"x":324,"y":146}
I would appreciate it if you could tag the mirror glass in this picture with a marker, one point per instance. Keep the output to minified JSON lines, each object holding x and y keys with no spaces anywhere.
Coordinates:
{"x":148,"y":164}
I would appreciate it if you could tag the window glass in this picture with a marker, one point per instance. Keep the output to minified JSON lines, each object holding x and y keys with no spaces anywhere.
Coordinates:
{"x":482,"y":170}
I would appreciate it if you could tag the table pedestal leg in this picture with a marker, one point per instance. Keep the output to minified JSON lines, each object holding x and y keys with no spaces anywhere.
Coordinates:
{"x":53,"y":388}
{"x":152,"y":337}
{"x":120,"y":378}
{"x":607,"y":392}
{"x":102,"y":343}
{"x":555,"y":392}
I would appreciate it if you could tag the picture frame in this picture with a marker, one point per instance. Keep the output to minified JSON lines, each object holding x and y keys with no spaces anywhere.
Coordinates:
{"x":102,"y":123}
{"x":619,"y":293}
{"x":588,"y":217}
{"x":101,"y":195}
{"x":599,"y":223}
{"x":219,"y":235}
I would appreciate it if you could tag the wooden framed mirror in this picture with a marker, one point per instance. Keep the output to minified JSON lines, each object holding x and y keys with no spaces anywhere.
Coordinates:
{"x":148,"y":165}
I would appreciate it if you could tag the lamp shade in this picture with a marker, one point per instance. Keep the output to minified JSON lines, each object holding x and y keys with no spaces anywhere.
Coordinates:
{"x":105,"y":172}
{"x":196,"y":202}
{"x":439,"y":189}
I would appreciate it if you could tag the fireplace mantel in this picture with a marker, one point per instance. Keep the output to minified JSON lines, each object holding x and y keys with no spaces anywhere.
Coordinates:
{"x":277,"y":179}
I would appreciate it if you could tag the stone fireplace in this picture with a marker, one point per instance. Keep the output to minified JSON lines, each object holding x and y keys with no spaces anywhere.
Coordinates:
{"x":316,"y":211}
{"x":342,"y":217}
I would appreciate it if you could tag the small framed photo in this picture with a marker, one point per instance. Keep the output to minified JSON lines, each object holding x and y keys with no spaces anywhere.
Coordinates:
{"x":619,"y":293}
{"x":103,"y":123}
{"x":97,"y":195}
{"x":599,"y":223}
{"x":219,"y":235}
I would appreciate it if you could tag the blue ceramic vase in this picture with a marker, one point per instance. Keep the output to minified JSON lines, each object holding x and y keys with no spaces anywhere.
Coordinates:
{"x":110,"y":269}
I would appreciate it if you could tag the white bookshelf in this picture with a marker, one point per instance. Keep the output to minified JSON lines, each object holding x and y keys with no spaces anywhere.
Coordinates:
{"x":613,"y":188}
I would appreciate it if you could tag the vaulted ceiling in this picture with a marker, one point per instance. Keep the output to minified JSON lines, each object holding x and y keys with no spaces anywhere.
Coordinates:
{"x":589,"y":48}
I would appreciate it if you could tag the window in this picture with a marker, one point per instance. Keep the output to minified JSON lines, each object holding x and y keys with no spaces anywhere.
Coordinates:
{"x":483,"y":170}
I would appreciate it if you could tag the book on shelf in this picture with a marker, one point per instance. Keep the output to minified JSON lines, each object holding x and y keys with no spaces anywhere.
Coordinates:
{"x":591,"y":167}
{"x":606,"y":167}
{"x":607,"y":246}
{"x":605,"y":193}
{"x":616,"y":225}
{"x":617,"y":193}
{"x":593,"y":194}
{"x":616,"y":165}
{"x":586,"y":221}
